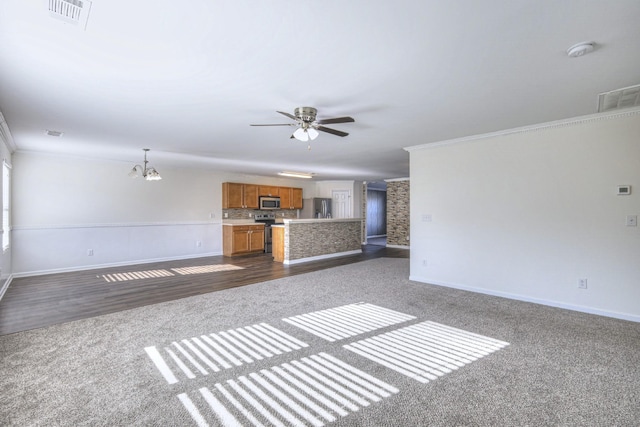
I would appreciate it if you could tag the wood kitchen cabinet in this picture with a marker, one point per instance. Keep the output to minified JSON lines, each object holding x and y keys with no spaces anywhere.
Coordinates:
{"x":278,"y":243}
{"x":270,"y":191}
{"x":242,"y":239}
{"x":290,"y":198}
{"x":239,"y":196}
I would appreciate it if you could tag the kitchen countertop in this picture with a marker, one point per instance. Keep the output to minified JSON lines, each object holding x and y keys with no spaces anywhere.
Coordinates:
{"x":240,"y":222}
{"x":312,"y":220}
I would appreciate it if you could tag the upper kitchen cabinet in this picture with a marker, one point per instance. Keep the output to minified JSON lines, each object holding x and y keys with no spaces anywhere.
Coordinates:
{"x":239,"y":196}
{"x":266,"y":190}
{"x":290,"y":198}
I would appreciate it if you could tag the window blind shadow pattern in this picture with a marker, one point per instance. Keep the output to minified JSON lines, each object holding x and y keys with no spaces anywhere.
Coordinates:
{"x":198,"y":356}
{"x":149,"y":274}
{"x":313,"y":391}
{"x":347,"y":321}
{"x":427,"y":350}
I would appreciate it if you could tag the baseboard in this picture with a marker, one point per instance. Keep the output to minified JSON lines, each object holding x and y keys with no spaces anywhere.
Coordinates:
{"x":524,"y":298}
{"x":115,"y":264}
{"x":319,"y":257}
{"x":5,"y":285}
{"x":399,"y":246}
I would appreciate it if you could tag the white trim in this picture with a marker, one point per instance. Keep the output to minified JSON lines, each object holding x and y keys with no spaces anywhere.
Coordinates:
{"x":114,"y":264}
{"x":533,"y":128}
{"x":5,"y":135}
{"x":108,"y":225}
{"x":5,"y":286}
{"x":399,"y":246}
{"x":518,"y":297}
{"x":318,"y":257}
{"x":398,"y":179}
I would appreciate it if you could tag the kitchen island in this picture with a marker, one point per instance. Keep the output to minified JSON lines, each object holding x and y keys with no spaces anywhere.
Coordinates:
{"x":301,"y":240}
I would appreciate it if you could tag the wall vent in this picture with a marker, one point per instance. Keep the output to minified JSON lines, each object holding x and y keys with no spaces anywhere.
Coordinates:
{"x":71,"y":11}
{"x":620,"y":98}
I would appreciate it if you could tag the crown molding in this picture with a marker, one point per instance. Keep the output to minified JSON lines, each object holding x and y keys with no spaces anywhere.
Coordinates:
{"x":635,"y":111}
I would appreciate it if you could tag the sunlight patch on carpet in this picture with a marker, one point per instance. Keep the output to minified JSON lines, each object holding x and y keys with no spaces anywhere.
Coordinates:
{"x":347,"y":321}
{"x":149,"y":274}
{"x":313,"y":391}
{"x":427,"y":350}
{"x":198,"y":356}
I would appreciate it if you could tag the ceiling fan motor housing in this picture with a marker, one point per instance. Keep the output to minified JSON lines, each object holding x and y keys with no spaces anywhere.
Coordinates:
{"x":306,"y":114}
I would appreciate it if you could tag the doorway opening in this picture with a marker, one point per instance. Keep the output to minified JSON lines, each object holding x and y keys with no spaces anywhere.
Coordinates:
{"x":376,"y":213}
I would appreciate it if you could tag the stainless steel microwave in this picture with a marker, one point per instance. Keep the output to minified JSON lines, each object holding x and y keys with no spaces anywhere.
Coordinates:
{"x":267,"y":203}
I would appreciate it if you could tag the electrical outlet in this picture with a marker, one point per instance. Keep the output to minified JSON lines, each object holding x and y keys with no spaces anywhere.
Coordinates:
{"x":632,"y":220}
{"x":424,"y":262}
{"x":198,"y":243}
{"x":89,"y":252}
{"x":226,"y":214}
{"x":582,"y":283}
{"x":212,"y":215}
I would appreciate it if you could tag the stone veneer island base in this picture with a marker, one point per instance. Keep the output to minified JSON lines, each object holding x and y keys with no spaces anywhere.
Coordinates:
{"x":301,"y":240}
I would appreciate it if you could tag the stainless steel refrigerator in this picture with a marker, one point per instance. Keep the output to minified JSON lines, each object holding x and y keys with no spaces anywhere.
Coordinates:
{"x":316,"y":208}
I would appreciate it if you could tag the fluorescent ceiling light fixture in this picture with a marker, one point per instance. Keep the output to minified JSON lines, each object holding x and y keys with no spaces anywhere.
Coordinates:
{"x":150,"y":174}
{"x":296,"y":174}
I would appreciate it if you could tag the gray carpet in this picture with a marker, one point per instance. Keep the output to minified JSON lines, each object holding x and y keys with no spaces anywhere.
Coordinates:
{"x":533,"y":365}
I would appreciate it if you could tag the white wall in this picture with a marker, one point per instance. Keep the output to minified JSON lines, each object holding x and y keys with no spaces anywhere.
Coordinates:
{"x":63,"y":206}
{"x":527,"y":213}
{"x":6,"y":147}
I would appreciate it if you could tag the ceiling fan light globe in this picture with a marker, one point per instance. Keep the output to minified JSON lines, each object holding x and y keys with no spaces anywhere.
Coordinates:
{"x":301,"y":135}
{"x":313,"y":134}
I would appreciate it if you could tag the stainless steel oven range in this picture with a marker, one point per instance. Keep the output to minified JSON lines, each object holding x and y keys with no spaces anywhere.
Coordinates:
{"x":266,"y":218}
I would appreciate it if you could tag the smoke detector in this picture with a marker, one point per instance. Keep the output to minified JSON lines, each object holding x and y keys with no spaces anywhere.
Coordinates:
{"x":71,"y":11}
{"x":580,"y":49}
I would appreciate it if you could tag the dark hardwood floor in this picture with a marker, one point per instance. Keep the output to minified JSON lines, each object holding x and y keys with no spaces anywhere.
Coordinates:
{"x":40,"y":301}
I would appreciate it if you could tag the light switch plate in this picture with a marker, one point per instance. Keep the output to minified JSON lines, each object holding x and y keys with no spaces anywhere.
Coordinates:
{"x":632,"y":220}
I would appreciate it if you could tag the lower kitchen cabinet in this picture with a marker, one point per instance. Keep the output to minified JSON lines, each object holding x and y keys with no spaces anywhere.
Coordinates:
{"x":242,"y":239}
{"x":278,"y":243}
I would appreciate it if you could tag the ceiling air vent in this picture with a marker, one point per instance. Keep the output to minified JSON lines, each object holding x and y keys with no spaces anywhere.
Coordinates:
{"x":71,"y":11}
{"x":620,"y":98}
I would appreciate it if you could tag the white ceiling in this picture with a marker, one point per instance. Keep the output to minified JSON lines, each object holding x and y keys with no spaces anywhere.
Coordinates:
{"x":187,"y":78}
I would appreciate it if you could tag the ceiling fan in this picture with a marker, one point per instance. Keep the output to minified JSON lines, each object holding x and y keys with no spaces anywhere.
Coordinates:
{"x":308,"y":126}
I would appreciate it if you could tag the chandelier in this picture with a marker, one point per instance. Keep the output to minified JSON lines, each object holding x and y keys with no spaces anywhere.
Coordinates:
{"x":150,"y":174}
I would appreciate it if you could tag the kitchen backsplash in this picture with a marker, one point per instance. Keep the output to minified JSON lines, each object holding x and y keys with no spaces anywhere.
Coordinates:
{"x":250,"y":213}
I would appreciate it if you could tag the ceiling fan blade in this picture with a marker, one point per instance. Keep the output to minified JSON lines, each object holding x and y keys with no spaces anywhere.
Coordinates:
{"x":333,"y":131}
{"x":291,"y":116}
{"x":336,"y":120}
{"x":277,"y":124}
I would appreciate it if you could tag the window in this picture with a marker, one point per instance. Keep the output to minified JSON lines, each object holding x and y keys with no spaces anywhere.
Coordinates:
{"x":6,"y":200}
